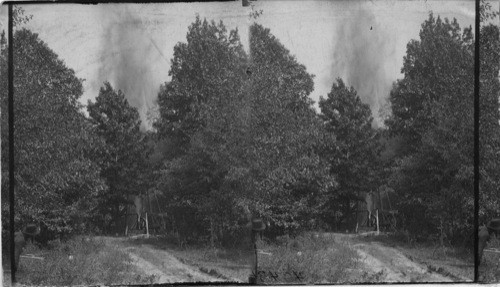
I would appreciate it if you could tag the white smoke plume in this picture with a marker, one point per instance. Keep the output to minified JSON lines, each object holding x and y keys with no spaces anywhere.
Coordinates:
{"x":362,"y":57}
{"x":130,"y":58}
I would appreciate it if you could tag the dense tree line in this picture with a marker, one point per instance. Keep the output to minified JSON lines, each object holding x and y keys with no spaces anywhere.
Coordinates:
{"x":237,"y":137}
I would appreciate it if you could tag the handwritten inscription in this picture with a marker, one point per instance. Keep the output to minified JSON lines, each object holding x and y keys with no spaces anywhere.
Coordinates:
{"x":151,"y":22}
{"x":268,"y":275}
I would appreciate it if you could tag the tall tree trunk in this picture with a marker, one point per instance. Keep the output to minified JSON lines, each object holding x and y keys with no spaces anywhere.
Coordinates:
{"x":212,"y":232}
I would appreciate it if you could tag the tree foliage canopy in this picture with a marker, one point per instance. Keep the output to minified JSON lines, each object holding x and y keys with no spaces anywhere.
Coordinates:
{"x":354,"y":154}
{"x":352,"y":149}
{"x":123,"y":156}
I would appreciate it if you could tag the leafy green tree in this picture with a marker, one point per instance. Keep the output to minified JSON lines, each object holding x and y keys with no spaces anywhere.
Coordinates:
{"x":198,"y":67}
{"x":291,"y":179}
{"x":56,"y":181}
{"x":432,"y":113}
{"x":353,"y":156}
{"x":123,"y":157}
{"x":196,"y":109}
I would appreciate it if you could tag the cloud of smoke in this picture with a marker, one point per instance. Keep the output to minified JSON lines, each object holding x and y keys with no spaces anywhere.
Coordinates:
{"x":362,"y":58}
{"x":130,"y":58}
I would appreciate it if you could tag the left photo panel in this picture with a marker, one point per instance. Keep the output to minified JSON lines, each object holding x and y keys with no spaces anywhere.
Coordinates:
{"x":95,"y":202}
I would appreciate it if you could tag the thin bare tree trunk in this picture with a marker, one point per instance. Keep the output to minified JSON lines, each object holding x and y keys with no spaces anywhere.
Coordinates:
{"x":212,"y":233}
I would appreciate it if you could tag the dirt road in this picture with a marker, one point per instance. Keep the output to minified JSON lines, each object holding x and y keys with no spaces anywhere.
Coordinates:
{"x":390,"y":265}
{"x":379,"y":263}
{"x":159,"y":265}
{"x":382,"y":263}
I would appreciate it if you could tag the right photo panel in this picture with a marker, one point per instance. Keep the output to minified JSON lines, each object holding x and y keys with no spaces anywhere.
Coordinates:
{"x":360,"y":115}
{"x":489,"y":144}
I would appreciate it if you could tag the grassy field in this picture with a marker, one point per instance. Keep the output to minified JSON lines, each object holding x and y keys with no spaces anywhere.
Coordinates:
{"x":79,"y":261}
{"x":310,"y":258}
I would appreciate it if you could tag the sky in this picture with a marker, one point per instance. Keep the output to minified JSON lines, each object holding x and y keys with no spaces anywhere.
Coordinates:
{"x":131,"y":45}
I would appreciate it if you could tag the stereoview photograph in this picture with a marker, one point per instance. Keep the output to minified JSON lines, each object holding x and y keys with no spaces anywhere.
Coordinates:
{"x":265,"y":142}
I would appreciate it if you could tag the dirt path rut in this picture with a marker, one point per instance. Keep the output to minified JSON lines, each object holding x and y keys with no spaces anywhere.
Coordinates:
{"x":161,"y":266}
{"x":380,"y":263}
{"x":165,"y":267}
{"x":390,"y":265}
